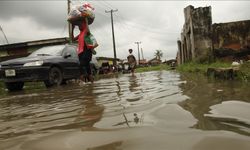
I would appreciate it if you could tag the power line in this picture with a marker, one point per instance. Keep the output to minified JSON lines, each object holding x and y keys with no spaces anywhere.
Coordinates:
{"x":4,"y":35}
{"x":124,"y":24}
{"x":105,"y":3}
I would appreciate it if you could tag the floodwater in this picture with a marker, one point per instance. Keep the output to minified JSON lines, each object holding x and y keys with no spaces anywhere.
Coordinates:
{"x":153,"y":111}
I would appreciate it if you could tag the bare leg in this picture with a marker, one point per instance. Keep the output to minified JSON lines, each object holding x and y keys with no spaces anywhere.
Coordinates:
{"x":91,"y":78}
{"x":133,"y":72}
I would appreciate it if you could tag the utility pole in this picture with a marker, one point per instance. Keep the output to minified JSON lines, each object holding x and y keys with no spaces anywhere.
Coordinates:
{"x":113,"y":34}
{"x":138,"y":43}
{"x":70,"y":25}
{"x":4,"y":35}
{"x":142,"y":54}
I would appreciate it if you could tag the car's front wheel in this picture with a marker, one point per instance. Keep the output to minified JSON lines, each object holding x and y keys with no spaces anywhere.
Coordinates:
{"x":55,"y":77}
{"x":14,"y":86}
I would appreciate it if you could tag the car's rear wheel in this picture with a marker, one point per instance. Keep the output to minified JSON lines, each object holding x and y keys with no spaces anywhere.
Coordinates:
{"x":55,"y":77}
{"x":14,"y":86}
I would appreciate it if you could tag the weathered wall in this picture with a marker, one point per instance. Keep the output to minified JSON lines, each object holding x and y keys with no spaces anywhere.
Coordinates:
{"x":179,"y":55}
{"x":202,"y":29}
{"x":187,"y":41}
{"x":201,"y":41}
{"x":196,"y":43}
{"x":232,"y":40}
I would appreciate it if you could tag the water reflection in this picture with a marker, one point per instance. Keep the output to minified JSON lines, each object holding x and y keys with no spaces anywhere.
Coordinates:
{"x":133,"y":84}
{"x":91,"y":112}
{"x":123,"y":107}
{"x":204,"y":93}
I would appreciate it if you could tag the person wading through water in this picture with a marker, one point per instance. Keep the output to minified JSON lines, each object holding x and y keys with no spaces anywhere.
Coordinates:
{"x":131,"y":62}
{"x":82,"y":16}
{"x":84,"y":53}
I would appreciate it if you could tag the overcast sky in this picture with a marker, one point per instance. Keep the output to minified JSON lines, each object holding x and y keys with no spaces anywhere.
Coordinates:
{"x":157,"y":24}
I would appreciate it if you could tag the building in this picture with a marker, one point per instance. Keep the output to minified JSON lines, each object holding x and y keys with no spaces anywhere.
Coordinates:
{"x":108,"y":60}
{"x":143,"y":62}
{"x":154,"y":61}
{"x":202,"y":41}
{"x":107,"y":65}
{"x":23,"y":49}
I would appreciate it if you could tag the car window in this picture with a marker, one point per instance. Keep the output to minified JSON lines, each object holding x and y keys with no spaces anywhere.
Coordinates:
{"x":71,"y":50}
{"x":49,"y":51}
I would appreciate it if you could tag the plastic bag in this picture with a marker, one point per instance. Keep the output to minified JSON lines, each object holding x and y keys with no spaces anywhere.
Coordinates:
{"x":74,"y":13}
{"x":78,"y":13}
{"x":91,"y":42}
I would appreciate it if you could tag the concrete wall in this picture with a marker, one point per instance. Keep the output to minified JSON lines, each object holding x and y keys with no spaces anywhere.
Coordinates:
{"x":234,"y":35}
{"x":232,"y":40}
{"x":202,"y":29}
{"x":202,"y":42}
{"x":196,"y":43}
{"x":179,"y":54}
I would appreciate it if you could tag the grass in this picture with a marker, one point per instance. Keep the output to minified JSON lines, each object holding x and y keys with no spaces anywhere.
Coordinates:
{"x":27,"y":85}
{"x":2,"y":87}
{"x":153,"y":68}
{"x":193,"y":67}
{"x":245,"y":71}
{"x":1,"y":84}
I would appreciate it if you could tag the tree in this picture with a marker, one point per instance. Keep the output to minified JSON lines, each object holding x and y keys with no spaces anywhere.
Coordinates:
{"x":158,"y":54}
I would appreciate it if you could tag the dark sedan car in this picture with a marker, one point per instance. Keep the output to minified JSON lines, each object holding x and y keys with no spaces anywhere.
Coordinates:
{"x":52,"y":64}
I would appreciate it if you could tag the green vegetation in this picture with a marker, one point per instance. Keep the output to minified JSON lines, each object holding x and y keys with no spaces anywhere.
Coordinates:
{"x":153,"y":68}
{"x":34,"y":85}
{"x":193,"y":67}
{"x":2,"y":91}
{"x":245,"y":71}
{"x":158,"y":54}
{"x":28,"y":86}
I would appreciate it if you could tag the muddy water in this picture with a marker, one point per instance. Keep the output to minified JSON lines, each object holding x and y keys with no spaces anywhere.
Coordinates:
{"x":153,"y":111}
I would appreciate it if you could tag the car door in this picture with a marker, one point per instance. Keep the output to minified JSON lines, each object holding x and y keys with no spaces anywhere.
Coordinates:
{"x":70,"y":62}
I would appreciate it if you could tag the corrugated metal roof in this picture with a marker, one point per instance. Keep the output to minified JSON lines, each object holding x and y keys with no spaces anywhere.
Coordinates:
{"x":33,"y":43}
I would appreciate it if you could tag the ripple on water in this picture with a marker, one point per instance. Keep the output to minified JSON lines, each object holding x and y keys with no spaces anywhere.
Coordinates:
{"x":74,"y":106}
{"x":232,"y":113}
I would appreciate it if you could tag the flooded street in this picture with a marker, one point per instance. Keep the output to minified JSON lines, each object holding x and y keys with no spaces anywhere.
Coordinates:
{"x":154,"y":110}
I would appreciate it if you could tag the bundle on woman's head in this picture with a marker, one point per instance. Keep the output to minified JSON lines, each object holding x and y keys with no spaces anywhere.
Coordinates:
{"x":80,"y":12}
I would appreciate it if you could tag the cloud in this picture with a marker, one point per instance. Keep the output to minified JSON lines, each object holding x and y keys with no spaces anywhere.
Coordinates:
{"x":23,"y":29}
{"x":47,"y":13}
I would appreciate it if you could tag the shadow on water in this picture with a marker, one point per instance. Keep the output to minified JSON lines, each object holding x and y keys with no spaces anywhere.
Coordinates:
{"x":205,"y":94}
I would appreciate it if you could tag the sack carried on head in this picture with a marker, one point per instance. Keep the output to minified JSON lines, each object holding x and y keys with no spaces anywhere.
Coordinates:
{"x":78,"y":13}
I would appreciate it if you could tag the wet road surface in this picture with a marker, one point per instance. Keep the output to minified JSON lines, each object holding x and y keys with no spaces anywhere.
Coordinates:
{"x":154,"y":110}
